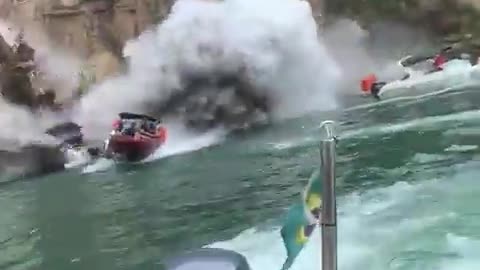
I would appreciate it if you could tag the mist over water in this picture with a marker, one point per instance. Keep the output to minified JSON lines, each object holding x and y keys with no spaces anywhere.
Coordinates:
{"x":20,"y":128}
{"x":277,"y":50}
{"x":7,"y":32}
{"x":59,"y":68}
{"x":360,"y":51}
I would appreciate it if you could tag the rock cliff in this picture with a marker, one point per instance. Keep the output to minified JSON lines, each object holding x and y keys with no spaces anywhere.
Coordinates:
{"x":90,"y":33}
{"x":95,"y":31}
{"x":456,"y":21}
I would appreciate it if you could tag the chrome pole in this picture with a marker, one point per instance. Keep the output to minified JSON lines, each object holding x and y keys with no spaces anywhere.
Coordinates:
{"x":329,"y":205}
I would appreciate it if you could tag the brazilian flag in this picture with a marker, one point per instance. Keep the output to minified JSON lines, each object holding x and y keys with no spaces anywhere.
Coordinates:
{"x":302,"y":219}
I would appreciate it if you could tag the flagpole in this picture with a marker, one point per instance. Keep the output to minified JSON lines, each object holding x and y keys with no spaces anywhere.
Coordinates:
{"x":329,"y":207}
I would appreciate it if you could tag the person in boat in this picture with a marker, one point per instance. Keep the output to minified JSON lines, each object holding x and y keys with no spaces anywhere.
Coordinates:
{"x":441,"y":58}
{"x":139,"y":126}
{"x":437,"y":61}
{"x":118,"y":125}
{"x":447,"y":54}
{"x":148,"y":128}
{"x":130,"y":129}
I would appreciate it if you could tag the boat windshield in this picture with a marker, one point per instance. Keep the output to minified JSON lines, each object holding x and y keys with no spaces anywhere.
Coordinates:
{"x":130,"y":126}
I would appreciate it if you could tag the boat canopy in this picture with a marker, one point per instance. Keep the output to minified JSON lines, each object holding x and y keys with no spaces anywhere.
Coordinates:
{"x":135,"y":116}
{"x":67,"y":127}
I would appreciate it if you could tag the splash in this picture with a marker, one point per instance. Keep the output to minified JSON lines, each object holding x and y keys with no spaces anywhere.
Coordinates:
{"x":8,"y":32}
{"x":183,"y":141}
{"x":360,"y":50}
{"x":276,"y":49}
{"x":58,"y":68}
{"x":186,"y":141}
{"x":403,"y":226}
{"x":19,"y":128}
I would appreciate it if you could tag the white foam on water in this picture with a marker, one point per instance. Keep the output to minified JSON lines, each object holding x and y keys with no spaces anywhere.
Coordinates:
{"x":431,"y":121}
{"x":461,"y":148}
{"x":408,"y":100}
{"x":291,"y":143}
{"x":403,"y":226}
{"x":76,"y":158}
{"x":466,"y":131}
{"x":420,"y":123}
{"x":101,"y":164}
{"x":279,"y":51}
{"x":180,"y":141}
{"x":467,"y":248}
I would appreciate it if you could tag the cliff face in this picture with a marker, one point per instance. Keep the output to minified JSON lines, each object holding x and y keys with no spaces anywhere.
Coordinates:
{"x":93,"y":30}
{"x":96,"y":30}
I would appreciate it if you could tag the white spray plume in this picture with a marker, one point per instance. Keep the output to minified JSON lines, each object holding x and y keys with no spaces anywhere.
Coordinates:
{"x":275,"y":41}
{"x":347,"y":42}
{"x":360,"y":51}
{"x":8,"y":32}
{"x":19,"y":127}
{"x":60,"y":69}
{"x":17,"y":124}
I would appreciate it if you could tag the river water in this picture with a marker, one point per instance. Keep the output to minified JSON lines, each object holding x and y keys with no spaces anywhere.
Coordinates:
{"x":407,"y":174}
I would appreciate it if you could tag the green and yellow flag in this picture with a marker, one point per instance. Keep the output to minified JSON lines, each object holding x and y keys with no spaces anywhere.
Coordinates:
{"x":302,"y":219}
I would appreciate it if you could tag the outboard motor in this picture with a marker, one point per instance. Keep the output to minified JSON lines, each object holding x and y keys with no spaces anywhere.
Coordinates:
{"x":208,"y":259}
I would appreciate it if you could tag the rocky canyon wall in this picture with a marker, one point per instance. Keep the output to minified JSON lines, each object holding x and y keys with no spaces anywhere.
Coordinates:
{"x":93,"y":32}
{"x":455,"y":21}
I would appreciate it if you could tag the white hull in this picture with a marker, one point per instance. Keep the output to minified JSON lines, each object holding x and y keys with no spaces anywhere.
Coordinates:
{"x":455,"y":73}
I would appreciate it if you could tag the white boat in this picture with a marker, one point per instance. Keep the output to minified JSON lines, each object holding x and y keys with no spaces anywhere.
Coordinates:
{"x":419,"y":82}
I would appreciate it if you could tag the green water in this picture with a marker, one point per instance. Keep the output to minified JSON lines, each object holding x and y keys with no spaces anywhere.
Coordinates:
{"x":408,"y":189}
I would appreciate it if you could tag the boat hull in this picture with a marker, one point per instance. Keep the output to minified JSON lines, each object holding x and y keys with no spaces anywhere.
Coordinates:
{"x":455,"y":74}
{"x":131,"y":149}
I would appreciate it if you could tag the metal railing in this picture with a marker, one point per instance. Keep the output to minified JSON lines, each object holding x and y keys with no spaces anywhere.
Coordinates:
{"x":329,"y":204}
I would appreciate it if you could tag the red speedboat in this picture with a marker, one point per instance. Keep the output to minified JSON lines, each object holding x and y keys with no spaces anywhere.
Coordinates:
{"x":134,"y":137}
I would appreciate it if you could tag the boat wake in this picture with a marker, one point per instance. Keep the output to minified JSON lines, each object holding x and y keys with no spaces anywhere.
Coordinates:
{"x":202,"y":44}
{"x":182,"y":141}
{"x":186,"y":141}
{"x":366,"y":222}
{"x":229,"y":64}
{"x":416,"y":99}
{"x":432,"y":122}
